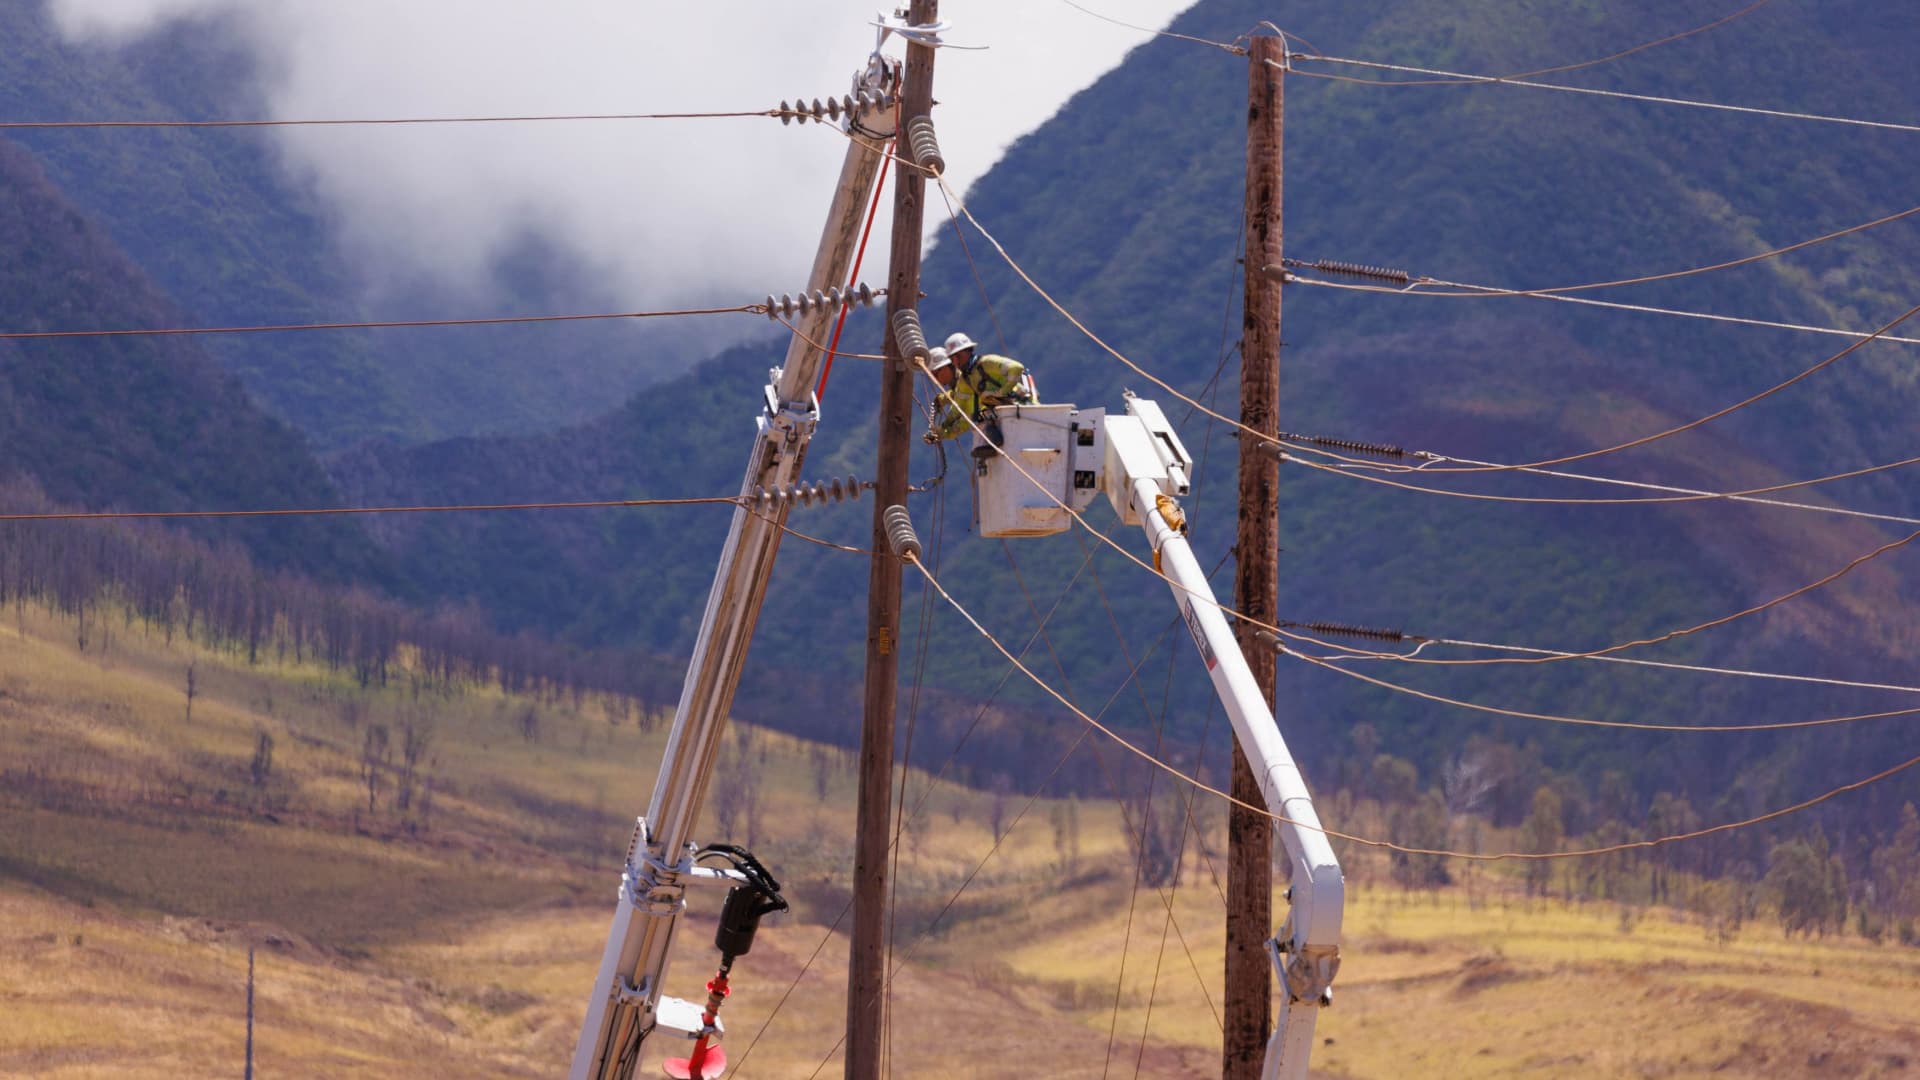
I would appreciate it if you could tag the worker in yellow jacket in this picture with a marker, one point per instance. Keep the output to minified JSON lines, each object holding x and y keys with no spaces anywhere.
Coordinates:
{"x":974,"y":387}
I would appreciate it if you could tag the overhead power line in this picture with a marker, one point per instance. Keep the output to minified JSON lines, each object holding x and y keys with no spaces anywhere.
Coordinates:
{"x":1221,"y":45}
{"x":1728,"y":264}
{"x":1024,"y":276}
{"x":1240,"y":50}
{"x":856,"y":104}
{"x":1631,"y":845}
{"x":1536,"y":655}
{"x":1232,"y":613}
{"x":374,"y":121}
{"x":1691,"y":424}
{"x":1671,"y":635}
{"x":1196,"y":405}
{"x":1490,"y":291}
{"x":1355,"y":470}
{"x":1610,"y":57}
{"x":1469,"y":78}
{"x":1584,"y":721}
{"x":134,"y":515}
{"x":182,"y":331}
{"x":1345,"y":653}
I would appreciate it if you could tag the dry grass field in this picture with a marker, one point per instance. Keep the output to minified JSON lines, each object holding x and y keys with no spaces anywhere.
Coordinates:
{"x":142,"y":855}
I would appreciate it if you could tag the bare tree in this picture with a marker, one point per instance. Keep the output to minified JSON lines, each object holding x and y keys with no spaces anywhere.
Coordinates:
{"x":192,"y":687}
{"x":416,"y":738}
{"x":997,"y":812}
{"x":822,"y":770}
{"x":374,"y":753}
{"x":260,"y":770}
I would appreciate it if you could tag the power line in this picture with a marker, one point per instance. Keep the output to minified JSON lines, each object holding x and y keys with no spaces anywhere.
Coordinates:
{"x":1138,"y":835}
{"x":1672,"y":635}
{"x":954,"y":898}
{"x":1682,"y":495}
{"x":49,"y":125}
{"x":1488,"y":291}
{"x":1622,"y":54}
{"x":595,"y":504}
{"x":1021,"y":272}
{"x":1464,"y":77}
{"x":824,"y":348}
{"x":953,"y":755}
{"x":1535,"y":656}
{"x":1389,"y":845}
{"x":808,"y":537}
{"x":1236,"y":425}
{"x":36,"y":335}
{"x":1701,"y":421}
{"x":1583,"y":721}
{"x":1728,"y":264}
{"x":1271,"y":628}
{"x":1236,"y":50}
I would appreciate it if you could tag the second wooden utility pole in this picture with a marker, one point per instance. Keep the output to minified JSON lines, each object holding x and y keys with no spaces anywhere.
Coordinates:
{"x":1249,"y":1008}
{"x":866,"y":962}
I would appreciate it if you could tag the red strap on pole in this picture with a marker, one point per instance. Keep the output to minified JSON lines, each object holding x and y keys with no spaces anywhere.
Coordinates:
{"x":820,"y":392}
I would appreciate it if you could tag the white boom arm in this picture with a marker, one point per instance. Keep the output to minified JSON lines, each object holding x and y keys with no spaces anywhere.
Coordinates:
{"x":1153,"y":467}
{"x":1066,"y":457}
{"x":626,"y":1003}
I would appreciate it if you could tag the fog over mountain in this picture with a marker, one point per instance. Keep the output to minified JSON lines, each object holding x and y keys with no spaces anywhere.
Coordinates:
{"x":645,"y":213}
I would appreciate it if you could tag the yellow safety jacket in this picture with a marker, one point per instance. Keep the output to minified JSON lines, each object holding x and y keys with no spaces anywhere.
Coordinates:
{"x":989,"y":381}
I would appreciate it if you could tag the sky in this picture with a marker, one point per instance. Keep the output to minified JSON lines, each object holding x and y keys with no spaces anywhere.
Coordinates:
{"x":656,"y":213}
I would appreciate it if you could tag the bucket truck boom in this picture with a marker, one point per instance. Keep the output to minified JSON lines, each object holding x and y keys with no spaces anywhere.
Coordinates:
{"x":1055,"y":459}
{"x":626,"y":1004}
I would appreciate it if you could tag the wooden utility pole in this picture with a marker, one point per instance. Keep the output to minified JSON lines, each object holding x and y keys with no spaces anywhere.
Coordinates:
{"x":866,"y":963}
{"x":1249,"y":1012}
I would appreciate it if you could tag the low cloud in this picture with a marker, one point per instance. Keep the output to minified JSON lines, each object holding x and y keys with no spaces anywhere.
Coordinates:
{"x":656,"y":213}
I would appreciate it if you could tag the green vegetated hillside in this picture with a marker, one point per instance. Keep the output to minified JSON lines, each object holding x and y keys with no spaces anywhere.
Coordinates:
{"x":1127,"y":206}
{"x":146,"y":423}
{"x":216,"y":220}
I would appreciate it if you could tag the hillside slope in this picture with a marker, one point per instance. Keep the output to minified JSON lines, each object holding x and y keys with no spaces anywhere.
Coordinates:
{"x":142,"y":423}
{"x":216,"y":219}
{"x":1126,"y":207}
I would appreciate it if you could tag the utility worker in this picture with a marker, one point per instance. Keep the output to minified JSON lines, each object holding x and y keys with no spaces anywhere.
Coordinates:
{"x":974,"y":387}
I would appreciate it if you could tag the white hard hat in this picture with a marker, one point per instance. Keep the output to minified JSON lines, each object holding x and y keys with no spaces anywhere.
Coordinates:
{"x":937,"y":358}
{"x":959,"y":341}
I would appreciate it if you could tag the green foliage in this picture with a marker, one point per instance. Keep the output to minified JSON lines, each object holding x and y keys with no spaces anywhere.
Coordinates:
{"x":1809,"y":886}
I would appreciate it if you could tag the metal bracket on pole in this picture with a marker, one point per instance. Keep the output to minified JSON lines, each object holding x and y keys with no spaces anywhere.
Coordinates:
{"x":1307,"y":971}
{"x":795,"y":420}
